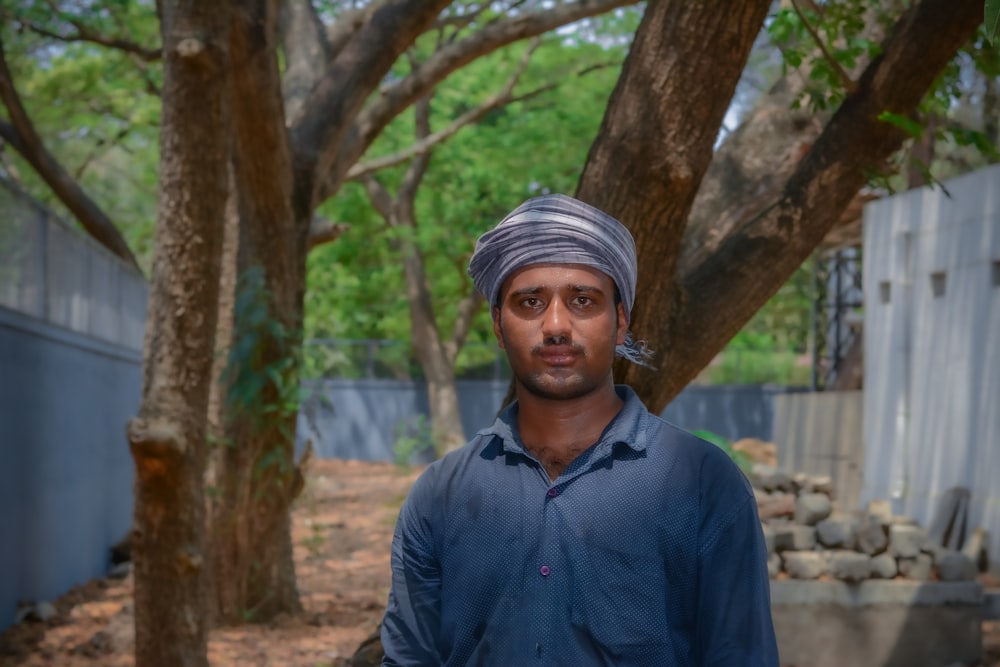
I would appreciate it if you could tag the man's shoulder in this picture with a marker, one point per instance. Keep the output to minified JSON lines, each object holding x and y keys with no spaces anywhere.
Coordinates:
{"x":444,"y":469}
{"x":680,"y":450}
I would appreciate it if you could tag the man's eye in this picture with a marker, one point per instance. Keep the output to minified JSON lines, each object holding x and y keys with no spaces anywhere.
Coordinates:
{"x":531,"y":302}
{"x":583,"y":301}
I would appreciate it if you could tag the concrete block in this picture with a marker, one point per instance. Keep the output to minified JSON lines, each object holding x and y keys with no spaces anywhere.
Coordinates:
{"x":883,"y":566}
{"x":836,"y":533}
{"x":881,"y":509}
{"x":821,"y":484}
{"x":771,"y":505}
{"x":804,"y":564}
{"x":848,"y":565}
{"x":773,"y":565}
{"x":800,"y":482}
{"x":870,"y":535}
{"x":811,"y":508}
{"x":768,"y":532}
{"x":954,"y":566}
{"x":917,"y":568}
{"x":794,"y":537}
{"x":877,"y":623}
{"x":991,"y":604}
{"x":905,"y":541}
{"x":777,"y":481}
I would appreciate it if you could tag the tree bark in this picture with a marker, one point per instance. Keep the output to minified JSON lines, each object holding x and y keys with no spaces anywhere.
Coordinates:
{"x":168,"y":437}
{"x":714,"y":297}
{"x":252,"y":566}
{"x":655,"y":144}
{"x":275,"y":172}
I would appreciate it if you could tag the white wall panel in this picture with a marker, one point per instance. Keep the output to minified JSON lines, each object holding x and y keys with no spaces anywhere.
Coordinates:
{"x":932,"y":363}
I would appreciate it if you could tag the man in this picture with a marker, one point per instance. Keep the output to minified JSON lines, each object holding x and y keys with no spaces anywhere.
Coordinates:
{"x":578,"y":529}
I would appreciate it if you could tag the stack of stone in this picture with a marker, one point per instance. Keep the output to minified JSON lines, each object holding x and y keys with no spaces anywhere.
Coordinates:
{"x":807,"y":538}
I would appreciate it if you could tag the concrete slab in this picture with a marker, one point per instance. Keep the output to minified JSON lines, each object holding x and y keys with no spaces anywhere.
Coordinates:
{"x":991,"y":604}
{"x":877,"y":623}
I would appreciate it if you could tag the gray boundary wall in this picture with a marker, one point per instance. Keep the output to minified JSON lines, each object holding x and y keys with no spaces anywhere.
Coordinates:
{"x":362,"y":419}
{"x":932,"y":348}
{"x":821,"y":434}
{"x":65,"y":468}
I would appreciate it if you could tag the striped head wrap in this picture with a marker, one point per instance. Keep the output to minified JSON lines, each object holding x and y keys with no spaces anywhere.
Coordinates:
{"x":557,"y":229}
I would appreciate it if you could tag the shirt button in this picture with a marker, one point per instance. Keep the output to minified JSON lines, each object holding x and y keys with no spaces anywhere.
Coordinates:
{"x":545,"y":570}
{"x":552,"y":492}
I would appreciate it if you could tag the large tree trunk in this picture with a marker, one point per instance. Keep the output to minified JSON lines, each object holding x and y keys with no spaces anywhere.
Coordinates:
{"x":688,"y":316}
{"x":168,"y":437}
{"x":655,"y":144}
{"x":252,"y":566}
{"x":277,"y":173}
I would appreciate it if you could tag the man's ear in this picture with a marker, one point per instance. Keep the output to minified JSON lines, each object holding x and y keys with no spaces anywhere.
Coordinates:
{"x":622,"y":325}
{"x":496,"y":327}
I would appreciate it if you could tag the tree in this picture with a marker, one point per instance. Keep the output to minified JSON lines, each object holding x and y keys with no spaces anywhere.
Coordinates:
{"x":704,"y":293}
{"x":167,"y":437}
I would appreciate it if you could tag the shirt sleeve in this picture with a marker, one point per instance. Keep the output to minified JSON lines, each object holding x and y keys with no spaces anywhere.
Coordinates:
{"x":411,"y":625}
{"x":734,"y":602}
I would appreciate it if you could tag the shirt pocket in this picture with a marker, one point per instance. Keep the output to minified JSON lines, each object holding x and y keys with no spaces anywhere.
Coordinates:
{"x":619,"y":601}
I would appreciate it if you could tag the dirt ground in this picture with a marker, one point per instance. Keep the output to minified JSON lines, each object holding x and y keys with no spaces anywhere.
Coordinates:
{"x":342,"y":528}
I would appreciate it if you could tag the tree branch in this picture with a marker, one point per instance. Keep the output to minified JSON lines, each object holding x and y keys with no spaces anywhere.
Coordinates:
{"x":325,"y":117}
{"x":380,"y":198}
{"x":467,"y":309}
{"x":323,"y":231}
{"x":100,"y":143}
{"x":393,"y":101}
{"x":407,"y":192}
{"x":347,"y":24}
{"x":85,"y":34}
{"x":827,"y":179}
{"x":845,"y":79}
{"x":307,"y":51}
{"x":22,"y":136}
{"x":427,"y":142}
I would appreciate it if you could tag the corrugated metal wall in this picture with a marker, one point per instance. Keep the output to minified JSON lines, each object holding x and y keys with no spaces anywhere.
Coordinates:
{"x":362,"y":419}
{"x":820,"y":434}
{"x":932,"y":348}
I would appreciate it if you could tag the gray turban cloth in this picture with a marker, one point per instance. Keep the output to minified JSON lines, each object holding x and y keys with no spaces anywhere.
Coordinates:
{"x":558,"y":229}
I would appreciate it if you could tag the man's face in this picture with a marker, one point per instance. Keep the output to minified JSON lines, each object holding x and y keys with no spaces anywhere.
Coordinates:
{"x":559,"y":325}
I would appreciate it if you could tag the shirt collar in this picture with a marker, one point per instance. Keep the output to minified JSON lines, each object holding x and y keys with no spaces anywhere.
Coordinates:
{"x":629,"y":426}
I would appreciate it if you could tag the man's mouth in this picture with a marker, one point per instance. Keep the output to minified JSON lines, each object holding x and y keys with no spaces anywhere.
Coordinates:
{"x":558,"y":355}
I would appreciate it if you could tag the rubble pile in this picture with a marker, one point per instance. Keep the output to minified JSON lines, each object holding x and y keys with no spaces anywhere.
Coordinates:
{"x":808,"y":538}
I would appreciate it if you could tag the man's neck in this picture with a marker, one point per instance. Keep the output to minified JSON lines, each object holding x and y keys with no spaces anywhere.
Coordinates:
{"x":557,"y":431}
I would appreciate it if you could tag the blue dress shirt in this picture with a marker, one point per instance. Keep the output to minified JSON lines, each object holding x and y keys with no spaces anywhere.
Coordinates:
{"x":647,"y":550}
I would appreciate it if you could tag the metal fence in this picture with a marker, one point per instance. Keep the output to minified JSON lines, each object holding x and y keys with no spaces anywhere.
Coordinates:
{"x":54,"y":273}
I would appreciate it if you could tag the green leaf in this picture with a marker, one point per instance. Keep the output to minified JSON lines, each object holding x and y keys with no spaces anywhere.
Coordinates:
{"x":908,"y":125}
{"x":992,"y":22}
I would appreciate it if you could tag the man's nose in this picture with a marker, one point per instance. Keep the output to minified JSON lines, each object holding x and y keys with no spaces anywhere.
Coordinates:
{"x":556,"y":319}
